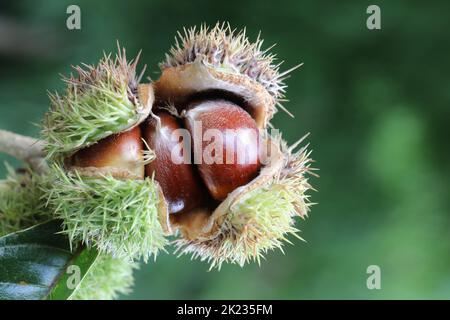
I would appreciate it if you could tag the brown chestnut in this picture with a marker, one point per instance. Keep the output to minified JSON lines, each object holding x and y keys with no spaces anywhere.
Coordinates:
{"x":179,"y":180}
{"x":120,"y":151}
{"x":225,"y":143}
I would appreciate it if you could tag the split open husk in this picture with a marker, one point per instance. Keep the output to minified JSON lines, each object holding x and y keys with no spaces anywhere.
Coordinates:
{"x":254,"y":218}
{"x":220,"y":59}
{"x":258,"y":216}
{"x":109,"y":208}
{"x":127,"y":216}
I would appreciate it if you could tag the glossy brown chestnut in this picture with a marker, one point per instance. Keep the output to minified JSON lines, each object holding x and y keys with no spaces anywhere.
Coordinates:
{"x":235,"y":131}
{"x":179,"y":181}
{"x":120,"y":151}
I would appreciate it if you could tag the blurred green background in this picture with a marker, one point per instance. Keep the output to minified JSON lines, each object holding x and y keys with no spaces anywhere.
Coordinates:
{"x":377,"y":105}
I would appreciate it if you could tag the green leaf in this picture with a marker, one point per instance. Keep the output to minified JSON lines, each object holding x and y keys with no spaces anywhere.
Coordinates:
{"x":38,"y":263}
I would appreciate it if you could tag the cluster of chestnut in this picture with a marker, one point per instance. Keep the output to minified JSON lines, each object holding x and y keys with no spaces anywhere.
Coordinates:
{"x":196,"y":141}
{"x":186,"y":185}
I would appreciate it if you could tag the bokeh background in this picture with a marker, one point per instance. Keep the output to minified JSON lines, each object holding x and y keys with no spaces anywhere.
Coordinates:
{"x":377,"y":105}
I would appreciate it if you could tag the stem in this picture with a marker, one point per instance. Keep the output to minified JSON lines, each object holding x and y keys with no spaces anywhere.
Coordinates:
{"x":27,"y":149}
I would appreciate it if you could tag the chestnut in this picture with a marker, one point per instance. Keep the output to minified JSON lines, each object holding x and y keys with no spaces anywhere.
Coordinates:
{"x":233,"y":155}
{"x":180,"y":182}
{"x":121,"y":151}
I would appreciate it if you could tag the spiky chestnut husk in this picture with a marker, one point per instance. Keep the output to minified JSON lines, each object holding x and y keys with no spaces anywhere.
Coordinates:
{"x":216,"y":63}
{"x":107,"y":278}
{"x":257,"y":217}
{"x":119,"y":217}
{"x":21,"y":203}
{"x":99,"y":101}
{"x":108,"y":207}
{"x":221,"y":59}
